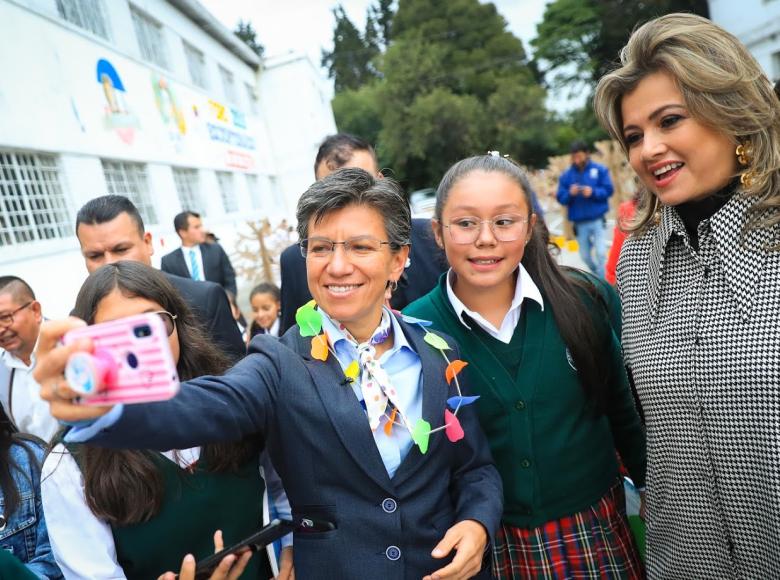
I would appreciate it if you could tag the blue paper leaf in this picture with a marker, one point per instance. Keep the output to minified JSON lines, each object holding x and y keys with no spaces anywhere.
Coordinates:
{"x":457,"y":401}
{"x":412,"y":320}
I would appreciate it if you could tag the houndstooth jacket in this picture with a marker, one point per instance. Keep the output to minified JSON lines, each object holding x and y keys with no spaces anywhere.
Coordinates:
{"x":701,"y":337}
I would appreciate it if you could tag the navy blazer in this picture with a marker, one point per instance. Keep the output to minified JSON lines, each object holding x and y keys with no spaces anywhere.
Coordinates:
{"x":427,"y":262}
{"x":323,"y":449}
{"x":216,"y":266}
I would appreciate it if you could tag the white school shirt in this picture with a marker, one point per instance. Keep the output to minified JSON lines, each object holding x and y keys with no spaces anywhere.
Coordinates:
{"x":83,"y":544}
{"x":21,"y":397}
{"x":524,"y":288}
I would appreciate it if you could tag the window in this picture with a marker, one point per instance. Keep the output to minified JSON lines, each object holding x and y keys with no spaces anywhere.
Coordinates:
{"x":197,"y":65}
{"x":253,"y":184}
{"x":86,"y":14}
{"x":32,"y":204}
{"x":228,"y":85}
{"x":150,"y":39}
{"x":129,"y":179}
{"x":188,"y":188}
{"x":251,"y":99}
{"x":227,"y":191}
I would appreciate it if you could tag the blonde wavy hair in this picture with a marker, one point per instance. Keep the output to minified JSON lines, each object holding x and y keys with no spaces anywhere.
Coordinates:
{"x":723,"y":87}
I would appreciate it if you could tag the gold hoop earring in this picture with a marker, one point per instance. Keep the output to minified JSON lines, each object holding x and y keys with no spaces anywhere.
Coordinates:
{"x":744,"y":152}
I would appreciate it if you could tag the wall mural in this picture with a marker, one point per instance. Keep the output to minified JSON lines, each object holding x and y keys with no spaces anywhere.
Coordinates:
{"x":170,"y":111}
{"x":118,"y":116}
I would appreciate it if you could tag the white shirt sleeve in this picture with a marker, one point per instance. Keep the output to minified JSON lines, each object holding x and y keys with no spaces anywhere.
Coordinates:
{"x":83,"y":544}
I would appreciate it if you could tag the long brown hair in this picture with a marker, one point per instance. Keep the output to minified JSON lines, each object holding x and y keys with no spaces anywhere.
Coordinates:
{"x":580,"y":329}
{"x":126,"y":487}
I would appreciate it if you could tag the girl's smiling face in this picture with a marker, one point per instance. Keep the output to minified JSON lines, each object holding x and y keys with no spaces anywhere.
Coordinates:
{"x":265,"y":308}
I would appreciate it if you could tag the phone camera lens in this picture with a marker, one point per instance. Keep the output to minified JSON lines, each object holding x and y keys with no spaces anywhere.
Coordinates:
{"x":142,"y":331}
{"x":132,"y":360}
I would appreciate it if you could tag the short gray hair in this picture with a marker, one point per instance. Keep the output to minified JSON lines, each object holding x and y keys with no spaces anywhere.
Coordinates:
{"x":352,"y":186}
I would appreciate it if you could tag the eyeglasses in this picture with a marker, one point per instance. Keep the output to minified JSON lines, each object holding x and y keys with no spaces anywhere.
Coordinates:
{"x":358,"y":247}
{"x":7,"y":320}
{"x":505,"y":228}
{"x":169,"y":320}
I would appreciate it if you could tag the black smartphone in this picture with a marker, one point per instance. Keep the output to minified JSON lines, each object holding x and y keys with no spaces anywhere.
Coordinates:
{"x":260,"y":539}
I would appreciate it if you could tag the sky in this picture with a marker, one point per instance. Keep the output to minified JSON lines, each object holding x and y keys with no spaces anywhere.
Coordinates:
{"x":307,"y":25}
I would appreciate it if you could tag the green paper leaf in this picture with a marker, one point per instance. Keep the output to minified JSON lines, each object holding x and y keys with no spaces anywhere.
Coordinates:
{"x":436,"y":341}
{"x":308,"y":319}
{"x":421,"y":433}
{"x":352,"y":371}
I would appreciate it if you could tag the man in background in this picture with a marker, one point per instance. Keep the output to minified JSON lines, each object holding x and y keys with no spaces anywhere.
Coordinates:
{"x":110,"y":229}
{"x":197,"y":259}
{"x":426,"y":261}
{"x":20,"y":323}
{"x":585,"y":188}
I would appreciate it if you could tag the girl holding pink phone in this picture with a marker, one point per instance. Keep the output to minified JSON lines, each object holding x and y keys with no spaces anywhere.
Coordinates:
{"x":139,"y":512}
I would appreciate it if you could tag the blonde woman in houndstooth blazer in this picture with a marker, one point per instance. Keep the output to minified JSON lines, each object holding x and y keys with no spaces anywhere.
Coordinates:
{"x":700,"y":283}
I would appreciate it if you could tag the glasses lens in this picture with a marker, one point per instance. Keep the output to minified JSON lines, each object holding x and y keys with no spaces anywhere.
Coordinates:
{"x":508,"y":228}
{"x":6,"y":320}
{"x":170,"y":323}
{"x":362,"y":246}
{"x":318,"y":247}
{"x":465,"y":230}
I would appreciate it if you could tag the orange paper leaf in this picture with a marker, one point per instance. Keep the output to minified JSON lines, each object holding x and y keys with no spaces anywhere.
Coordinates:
{"x":389,"y":424}
{"x":453,"y":369}
{"x":319,"y":347}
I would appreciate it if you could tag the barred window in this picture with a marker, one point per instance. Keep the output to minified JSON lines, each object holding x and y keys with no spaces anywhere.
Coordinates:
{"x":253,"y":184}
{"x":129,"y":179}
{"x":196,"y":63}
{"x":87,"y":14}
{"x":252,"y":99}
{"x":188,"y":188}
{"x":33,"y":206}
{"x":228,"y":84}
{"x":150,"y":39}
{"x":227,"y":191}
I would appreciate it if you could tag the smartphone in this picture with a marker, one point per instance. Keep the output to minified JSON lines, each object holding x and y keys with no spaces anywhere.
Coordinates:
{"x":256,"y":542}
{"x":131,"y":362}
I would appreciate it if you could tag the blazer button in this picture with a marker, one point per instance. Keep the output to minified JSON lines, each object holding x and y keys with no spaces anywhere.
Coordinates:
{"x":520,"y":405}
{"x":393,"y":553}
{"x":525,"y":464}
{"x":389,"y":505}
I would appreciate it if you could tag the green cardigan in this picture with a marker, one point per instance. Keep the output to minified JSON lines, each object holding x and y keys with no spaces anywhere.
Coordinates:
{"x":555,"y":457}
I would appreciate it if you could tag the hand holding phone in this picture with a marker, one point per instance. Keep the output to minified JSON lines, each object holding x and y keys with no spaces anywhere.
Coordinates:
{"x":131,"y":362}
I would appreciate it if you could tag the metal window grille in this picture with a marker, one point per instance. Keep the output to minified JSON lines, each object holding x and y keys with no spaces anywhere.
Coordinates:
{"x":253,"y":183}
{"x":188,"y":188}
{"x":250,"y":96}
{"x":227,"y":191}
{"x":196,"y":63}
{"x":86,"y":14}
{"x":33,"y":206}
{"x":129,"y":179}
{"x":150,"y":39}
{"x":228,"y":84}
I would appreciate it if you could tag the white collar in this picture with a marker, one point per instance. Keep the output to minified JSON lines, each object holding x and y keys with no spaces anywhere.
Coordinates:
{"x":525,"y":287}
{"x":12,"y":361}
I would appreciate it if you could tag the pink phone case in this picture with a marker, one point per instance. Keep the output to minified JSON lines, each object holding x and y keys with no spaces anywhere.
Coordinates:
{"x":132,"y":361}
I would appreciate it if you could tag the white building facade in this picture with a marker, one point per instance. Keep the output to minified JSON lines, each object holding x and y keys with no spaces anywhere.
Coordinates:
{"x":152,"y":99}
{"x":757,"y":25}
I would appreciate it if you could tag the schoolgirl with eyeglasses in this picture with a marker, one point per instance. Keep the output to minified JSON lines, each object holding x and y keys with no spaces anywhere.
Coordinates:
{"x":135,"y":514}
{"x":555,"y":402}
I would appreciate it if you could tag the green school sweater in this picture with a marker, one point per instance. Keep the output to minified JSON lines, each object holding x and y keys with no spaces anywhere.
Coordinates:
{"x":555,"y":457}
{"x":195,"y":505}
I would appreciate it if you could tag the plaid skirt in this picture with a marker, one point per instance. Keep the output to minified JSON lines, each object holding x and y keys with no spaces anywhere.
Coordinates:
{"x":594,"y":543}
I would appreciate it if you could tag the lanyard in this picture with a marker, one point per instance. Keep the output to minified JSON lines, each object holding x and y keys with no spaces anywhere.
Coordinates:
{"x":11,"y":397}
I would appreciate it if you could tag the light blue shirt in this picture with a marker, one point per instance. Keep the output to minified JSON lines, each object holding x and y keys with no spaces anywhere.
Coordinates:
{"x":404,"y":367}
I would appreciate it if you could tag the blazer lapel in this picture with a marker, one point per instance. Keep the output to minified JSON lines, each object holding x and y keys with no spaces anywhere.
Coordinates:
{"x":207,"y":253}
{"x":434,"y":400}
{"x":181,"y":264}
{"x":346,"y":414}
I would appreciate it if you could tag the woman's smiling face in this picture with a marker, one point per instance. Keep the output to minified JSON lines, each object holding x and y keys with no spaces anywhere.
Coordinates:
{"x":677,"y":158}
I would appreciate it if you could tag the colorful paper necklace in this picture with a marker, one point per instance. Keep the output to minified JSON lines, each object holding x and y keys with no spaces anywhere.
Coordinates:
{"x":309,"y":320}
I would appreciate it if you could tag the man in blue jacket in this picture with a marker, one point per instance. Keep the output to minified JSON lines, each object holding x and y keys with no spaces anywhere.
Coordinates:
{"x":585,"y":188}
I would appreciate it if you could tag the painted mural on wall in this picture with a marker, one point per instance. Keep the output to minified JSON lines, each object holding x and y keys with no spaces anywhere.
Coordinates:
{"x":118,"y":116}
{"x":170,"y":111}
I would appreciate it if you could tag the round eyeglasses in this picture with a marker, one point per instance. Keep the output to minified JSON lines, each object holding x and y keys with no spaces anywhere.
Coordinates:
{"x":505,"y":228}
{"x":169,"y":320}
{"x":7,"y":320}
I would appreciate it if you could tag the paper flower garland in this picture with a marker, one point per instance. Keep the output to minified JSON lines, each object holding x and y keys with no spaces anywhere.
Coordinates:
{"x":309,"y":321}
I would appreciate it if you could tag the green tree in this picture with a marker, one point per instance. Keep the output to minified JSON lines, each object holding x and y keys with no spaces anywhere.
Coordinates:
{"x":380,"y":17}
{"x":350,"y":63}
{"x":456,"y":83}
{"x":357,"y":112}
{"x":246,"y":32}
